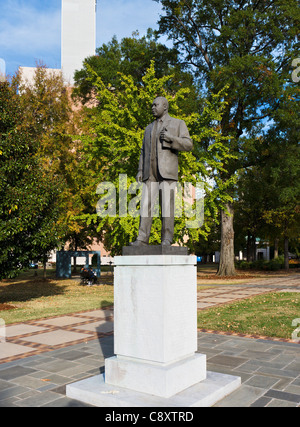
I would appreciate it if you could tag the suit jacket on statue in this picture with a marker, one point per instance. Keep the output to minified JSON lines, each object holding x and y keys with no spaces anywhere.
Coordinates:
{"x":167,"y":153}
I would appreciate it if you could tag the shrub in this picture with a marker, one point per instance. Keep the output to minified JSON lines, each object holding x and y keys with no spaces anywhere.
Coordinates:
{"x":272,"y":265}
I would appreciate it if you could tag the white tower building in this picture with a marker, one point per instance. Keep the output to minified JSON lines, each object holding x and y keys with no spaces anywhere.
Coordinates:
{"x":78,"y":37}
{"x":2,"y":70}
{"x":78,"y":40}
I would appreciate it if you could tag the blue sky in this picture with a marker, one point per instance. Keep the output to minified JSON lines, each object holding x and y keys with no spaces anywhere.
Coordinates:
{"x":30,"y":29}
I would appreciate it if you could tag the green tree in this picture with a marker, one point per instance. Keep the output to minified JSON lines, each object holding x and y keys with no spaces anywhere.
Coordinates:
{"x":269,"y":191}
{"x":206,"y":246}
{"x":50,"y":112}
{"x":112,"y":148}
{"x":132,"y":56}
{"x":30,"y":196}
{"x":282,"y":187}
{"x":248,"y":45}
{"x":268,"y":203}
{"x":248,"y":207}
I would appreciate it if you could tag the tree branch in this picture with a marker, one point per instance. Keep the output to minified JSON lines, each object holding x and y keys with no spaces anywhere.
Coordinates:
{"x":200,"y":45}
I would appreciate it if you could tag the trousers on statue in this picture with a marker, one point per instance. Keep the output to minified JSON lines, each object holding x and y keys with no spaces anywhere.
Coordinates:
{"x":157,"y":195}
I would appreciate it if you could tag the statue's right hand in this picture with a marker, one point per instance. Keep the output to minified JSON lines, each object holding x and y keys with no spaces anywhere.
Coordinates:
{"x":139,"y":177}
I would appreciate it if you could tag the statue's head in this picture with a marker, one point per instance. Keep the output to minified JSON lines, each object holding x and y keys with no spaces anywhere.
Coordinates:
{"x":160,"y":107}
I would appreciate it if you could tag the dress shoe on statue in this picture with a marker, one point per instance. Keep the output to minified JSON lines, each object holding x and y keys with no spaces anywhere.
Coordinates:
{"x":166,"y":243}
{"x":138,"y":243}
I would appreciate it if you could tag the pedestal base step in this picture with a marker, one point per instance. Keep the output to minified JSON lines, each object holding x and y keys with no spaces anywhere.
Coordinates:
{"x":155,"y":379}
{"x":94,"y":391}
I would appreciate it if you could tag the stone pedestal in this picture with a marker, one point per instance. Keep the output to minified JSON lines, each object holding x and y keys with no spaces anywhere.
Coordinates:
{"x":155,"y":336}
{"x":155,"y":325}
{"x":155,"y":307}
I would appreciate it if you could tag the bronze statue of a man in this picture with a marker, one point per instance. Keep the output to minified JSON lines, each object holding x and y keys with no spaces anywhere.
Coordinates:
{"x":159,"y":164}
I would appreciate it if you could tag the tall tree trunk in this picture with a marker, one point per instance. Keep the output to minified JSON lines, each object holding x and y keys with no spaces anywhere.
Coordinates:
{"x":253,"y":248}
{"x":45,"y":266}
{"x":226,"y":266}
{"x":286,"y":253}
{"x":276,"y":244}
{"x":75,"y":265}
{"x":249,"y":247}
{"x":74,"y":258}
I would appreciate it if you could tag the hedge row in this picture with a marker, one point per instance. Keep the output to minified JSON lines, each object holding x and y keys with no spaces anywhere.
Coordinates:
{"x":272,"y":265}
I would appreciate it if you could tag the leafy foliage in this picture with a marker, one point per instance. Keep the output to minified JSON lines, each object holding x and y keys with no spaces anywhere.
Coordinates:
{"x":132,"y":56}
{"x":30,"y":196}
{"x":53,"y":117}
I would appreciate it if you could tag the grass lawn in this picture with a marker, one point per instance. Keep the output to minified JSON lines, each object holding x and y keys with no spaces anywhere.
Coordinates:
{"x":269,"y":315}
{"x":35,"y":298}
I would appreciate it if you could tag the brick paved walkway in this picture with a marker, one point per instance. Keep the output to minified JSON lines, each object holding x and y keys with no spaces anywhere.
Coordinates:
{"x":39,"y":336}
{"x":225,"y":294}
